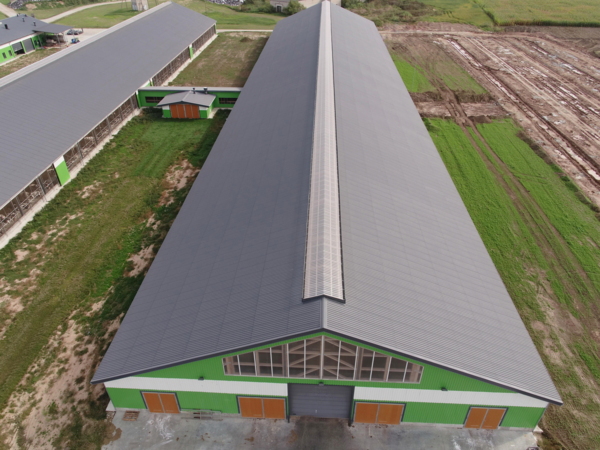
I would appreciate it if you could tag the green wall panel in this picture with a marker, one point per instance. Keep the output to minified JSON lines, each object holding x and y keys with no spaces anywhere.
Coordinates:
{"x":435,"y":413}
{"x":433,"y":377}
{"x":226,"y":403}
{"x":126,"y":398}
{"x":521,"y":417}
{"x":448,"y":414}
{"x":166,"y":113}
{"x":6,"y":54}
{"x":63,"y":173}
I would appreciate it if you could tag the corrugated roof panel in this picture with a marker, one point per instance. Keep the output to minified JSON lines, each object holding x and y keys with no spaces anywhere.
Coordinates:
{"x":85,"y":83}
{"x":418,"y":279}
{"x":238,"y":243}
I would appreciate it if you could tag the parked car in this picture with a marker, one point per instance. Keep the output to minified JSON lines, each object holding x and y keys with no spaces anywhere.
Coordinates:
{"x":71,"y":32}
{"x":75,"y":40}
{"x":78,"y":32}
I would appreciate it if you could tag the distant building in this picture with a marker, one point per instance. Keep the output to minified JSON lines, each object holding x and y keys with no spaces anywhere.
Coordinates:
{"x":139,"y":5}
{"x":280,"y":5}
{"x":22,"y":34}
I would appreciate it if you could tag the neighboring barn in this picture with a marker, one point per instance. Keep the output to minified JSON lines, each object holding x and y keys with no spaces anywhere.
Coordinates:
{"x":23,"y":34}
{"x":94,"y":85}
{"x":188,"y":105}
{"x":323,"y":263}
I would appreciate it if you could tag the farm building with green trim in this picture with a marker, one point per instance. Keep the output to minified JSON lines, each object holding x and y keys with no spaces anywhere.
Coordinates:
{"x":23,"y":34}
{"x":37,"y":160}
{"x":324,"y":264}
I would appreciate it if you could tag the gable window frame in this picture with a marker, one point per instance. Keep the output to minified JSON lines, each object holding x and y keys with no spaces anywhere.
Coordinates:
{"x":380,"y":364}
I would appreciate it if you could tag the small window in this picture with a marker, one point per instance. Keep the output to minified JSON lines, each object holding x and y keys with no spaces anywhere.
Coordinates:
{"x":227,"y":101}
{"x":10,"y":52}
{"x":153,"y":99}
{"x":4,"y":55}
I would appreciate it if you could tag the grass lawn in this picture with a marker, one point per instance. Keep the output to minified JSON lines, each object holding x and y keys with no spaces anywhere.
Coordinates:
{"x":545,"y":243}
{"x":434,"y":68}
{"x":230,"y":19}
{"x":25,"y":60}
{"x":77,"y":247}
{"x":226,"y":62}
{"x":413,"y":78}
{"x":544,"y":12}
{"x":109,"y":15}
{"x":100,"y":16}
{"x":458,"y":11}
{"x":45,"y":13}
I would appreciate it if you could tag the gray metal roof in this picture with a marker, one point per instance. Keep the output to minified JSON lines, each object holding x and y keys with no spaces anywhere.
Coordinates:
{"x":48,"y":106}
{"x":190,"y":97}
{"x":53,"y":28}
{"x":418,"y":280}
{"x":18,"y":27}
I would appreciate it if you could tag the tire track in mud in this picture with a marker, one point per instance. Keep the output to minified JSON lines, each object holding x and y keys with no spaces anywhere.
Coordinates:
{"x":566,"y":146}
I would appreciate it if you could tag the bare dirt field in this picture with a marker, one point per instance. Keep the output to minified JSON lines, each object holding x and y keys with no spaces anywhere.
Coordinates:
{"x":549,"y":84}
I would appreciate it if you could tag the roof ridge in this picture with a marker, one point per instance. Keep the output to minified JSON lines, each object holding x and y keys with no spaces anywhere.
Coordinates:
{"x":323,"y":274}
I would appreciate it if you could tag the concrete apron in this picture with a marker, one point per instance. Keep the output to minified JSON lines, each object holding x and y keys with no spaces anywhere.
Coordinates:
{"x":172,"y":431}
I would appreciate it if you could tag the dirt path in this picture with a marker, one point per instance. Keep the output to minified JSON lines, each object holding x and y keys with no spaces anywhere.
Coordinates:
{"x":8,"y":12}
{"x":74,"y":10}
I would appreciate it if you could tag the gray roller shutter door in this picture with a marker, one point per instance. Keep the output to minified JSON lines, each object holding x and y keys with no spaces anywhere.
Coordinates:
{"x":320,"y":401}
{"x":17,"y":46}
{"x":29,"y":47}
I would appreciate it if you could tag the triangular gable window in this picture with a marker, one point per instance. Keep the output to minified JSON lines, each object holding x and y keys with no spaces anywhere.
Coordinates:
{"x":323,"y":358}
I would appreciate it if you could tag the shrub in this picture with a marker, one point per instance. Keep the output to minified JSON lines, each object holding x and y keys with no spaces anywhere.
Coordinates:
{"x":294,"y":6}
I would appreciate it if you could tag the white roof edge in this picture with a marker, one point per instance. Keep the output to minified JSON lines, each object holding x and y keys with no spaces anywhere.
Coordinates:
{"x":323,"y":263}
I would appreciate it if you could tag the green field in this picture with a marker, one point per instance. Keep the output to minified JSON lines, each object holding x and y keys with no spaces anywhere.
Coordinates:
{"x":25,"y":60}
{"x":226,"y":62}
{"x":81,"y":244}
{"x":458,"y":11}
{"x":543,"y":12}
{"x":545,"y":242}
{"x":99,"y":16}
{"x":45,"y":13}
{"x":229,"y":18}
{"x":481,"y":13}
{"x":413,"y":78}
{"x":424,"y":67}
{"x":226,"y":17}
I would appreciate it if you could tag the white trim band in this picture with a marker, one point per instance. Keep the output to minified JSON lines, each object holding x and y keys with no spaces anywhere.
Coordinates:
{"x":212,"y":386}
{"x":450,"y":397}
{"x":58,"y":162}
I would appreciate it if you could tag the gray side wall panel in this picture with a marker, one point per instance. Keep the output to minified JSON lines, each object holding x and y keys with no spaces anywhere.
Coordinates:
{"x":29,"y":47}
{"x":332,"y":402}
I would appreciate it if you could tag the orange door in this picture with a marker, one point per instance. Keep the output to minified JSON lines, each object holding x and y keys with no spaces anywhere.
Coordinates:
{"x":195,"y":112}
{"x":366,"y":412}
{"x":181,"y":111}
{"x":174,"y":113}
{"x":169,"y":403}
{"x":274,"y":408}
{"x":493,"y":418}
{"x":188,"y":111}
{"x":251,"y":407}
{"x":390,"y":414}
{"x":475,"y":417}
{"x":153,"y":402}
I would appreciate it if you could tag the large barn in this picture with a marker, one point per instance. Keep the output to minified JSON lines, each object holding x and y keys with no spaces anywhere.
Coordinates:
{"x":323,"y":263}
{"x":57,"y":112}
